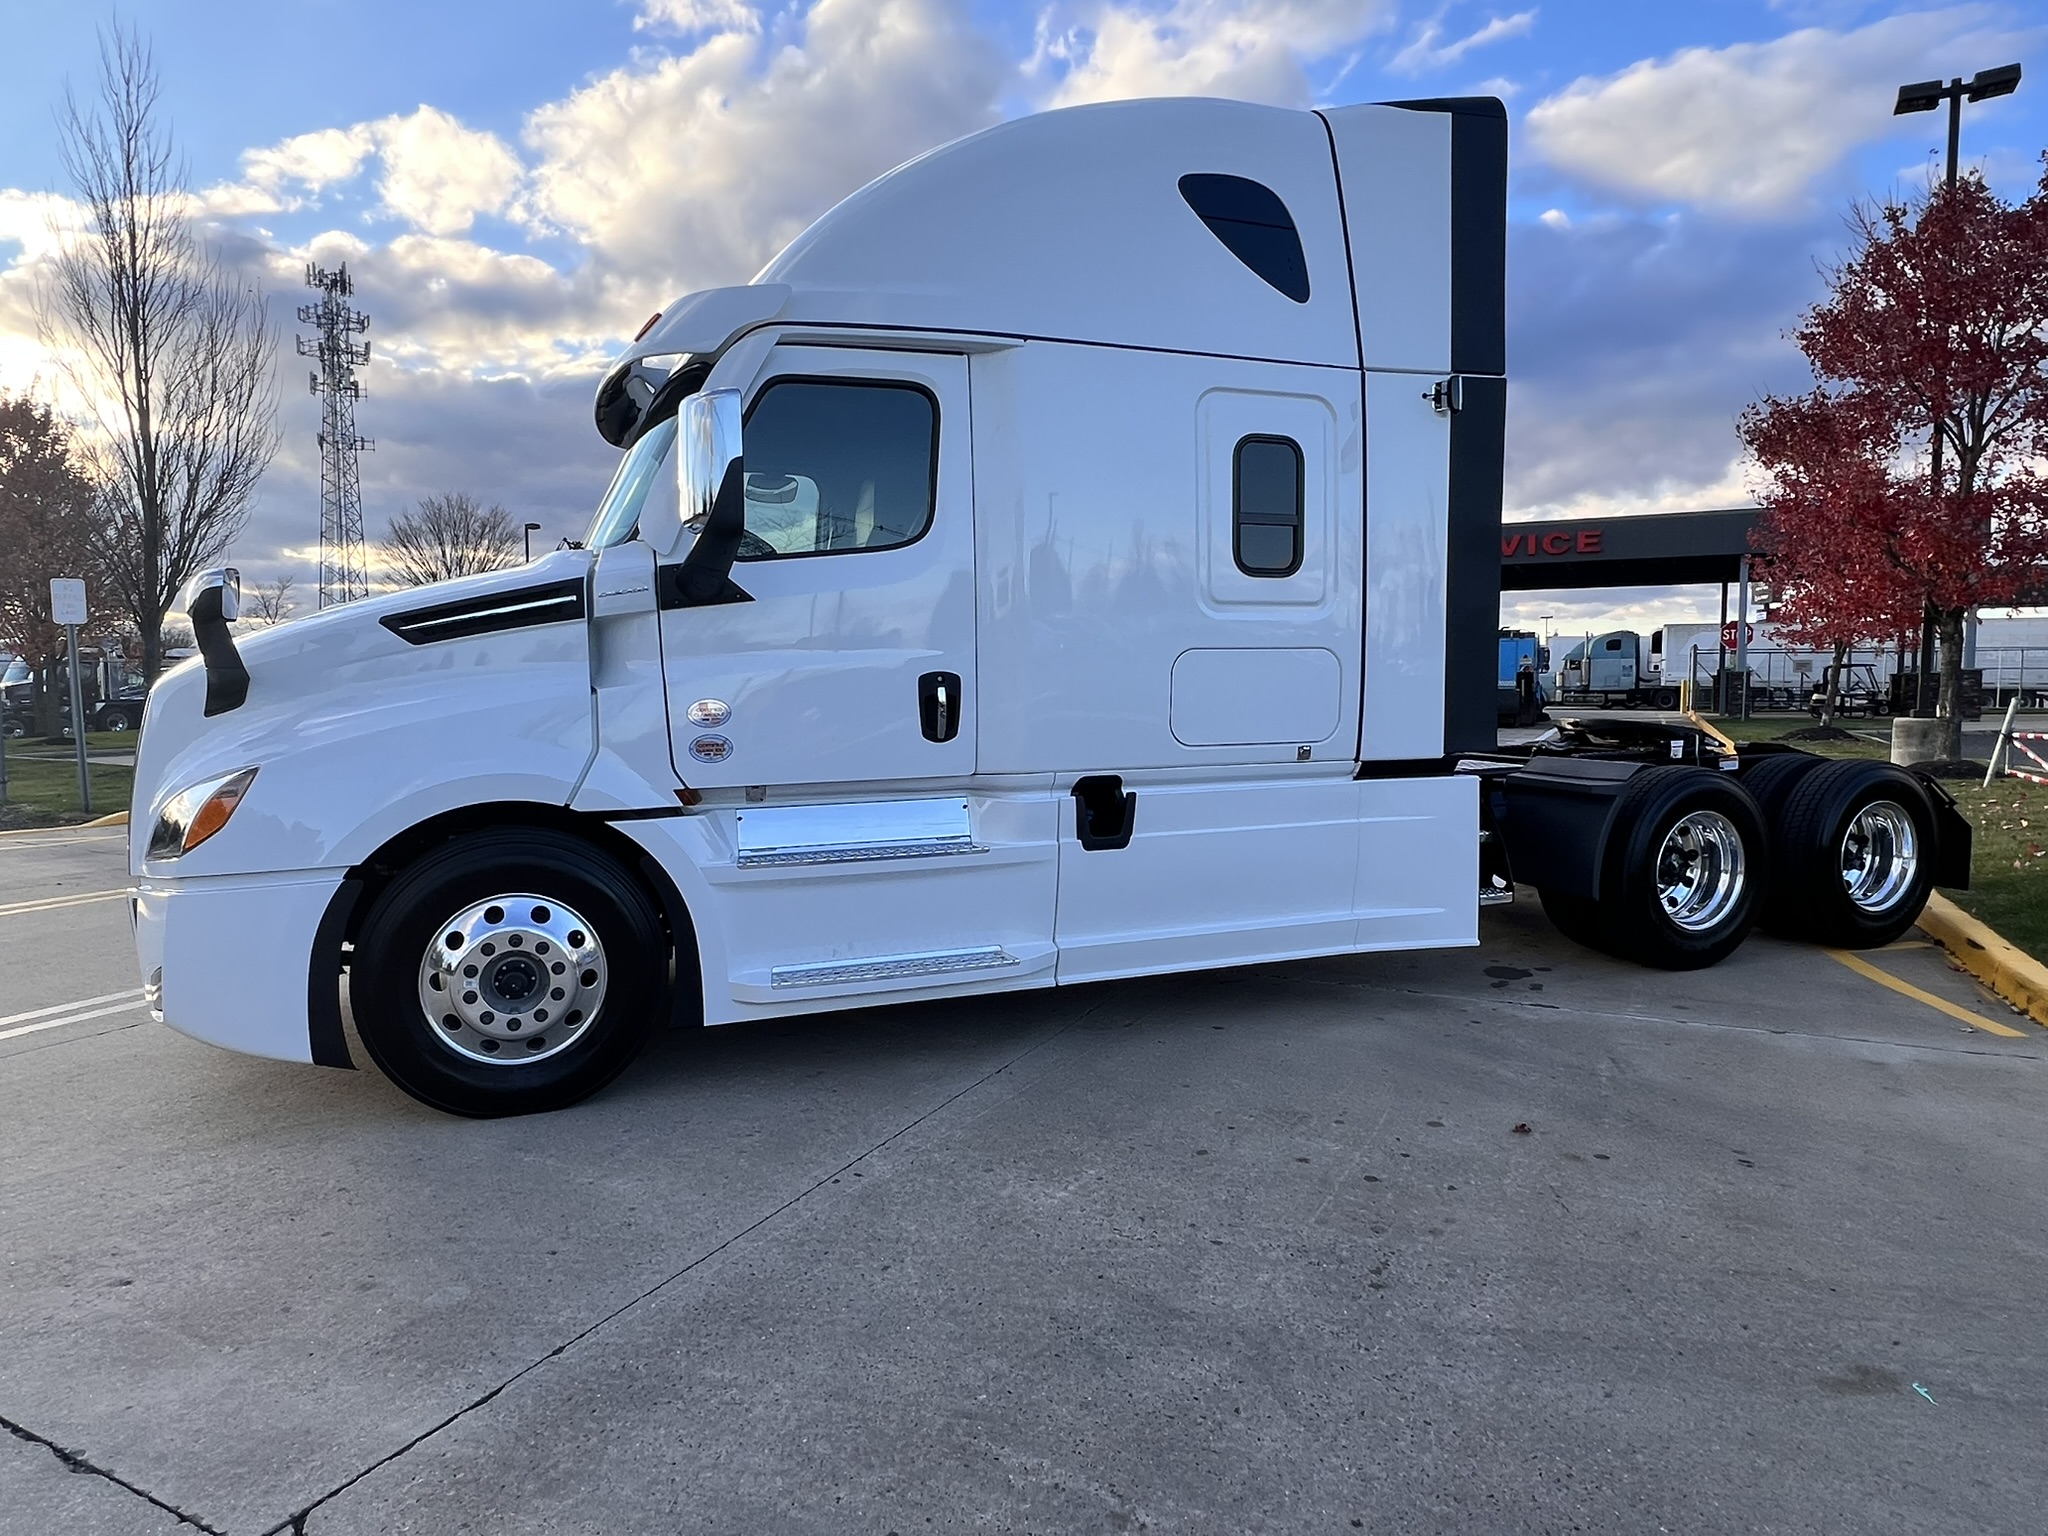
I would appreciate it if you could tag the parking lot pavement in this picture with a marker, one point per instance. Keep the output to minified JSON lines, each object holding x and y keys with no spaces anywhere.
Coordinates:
{"x":1254,"y":1250}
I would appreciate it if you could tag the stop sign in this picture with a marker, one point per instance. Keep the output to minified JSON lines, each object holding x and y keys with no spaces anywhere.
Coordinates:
{"x":1731,"y":635}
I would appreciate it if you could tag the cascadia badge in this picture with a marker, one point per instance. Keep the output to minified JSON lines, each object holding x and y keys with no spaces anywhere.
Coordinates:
{"x":711,"y":749}
{"x":710,"y":713}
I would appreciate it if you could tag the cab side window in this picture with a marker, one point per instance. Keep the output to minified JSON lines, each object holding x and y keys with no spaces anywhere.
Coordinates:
{"x":1266,"y":514}
{"x":835,"y":467}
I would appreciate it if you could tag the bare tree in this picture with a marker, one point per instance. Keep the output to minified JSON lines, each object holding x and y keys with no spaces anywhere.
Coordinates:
{"x":173,"y":352}
{"x":270,"y":602}
{"x":450,"y":535}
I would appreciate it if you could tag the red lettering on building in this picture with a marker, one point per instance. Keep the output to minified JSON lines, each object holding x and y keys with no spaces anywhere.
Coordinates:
{"x":1535,"y":545}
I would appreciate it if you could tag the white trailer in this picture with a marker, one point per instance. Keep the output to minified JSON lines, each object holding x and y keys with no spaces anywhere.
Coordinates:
{"x":1075,"y":556}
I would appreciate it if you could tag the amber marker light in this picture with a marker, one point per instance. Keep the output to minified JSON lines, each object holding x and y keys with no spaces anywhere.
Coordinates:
{"x":195,"y":813}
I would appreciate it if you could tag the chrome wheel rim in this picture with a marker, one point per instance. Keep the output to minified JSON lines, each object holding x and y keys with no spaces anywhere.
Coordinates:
{"x":1880,"y":855}
{"x":512,"y":980}
{"x":1700,"y":867}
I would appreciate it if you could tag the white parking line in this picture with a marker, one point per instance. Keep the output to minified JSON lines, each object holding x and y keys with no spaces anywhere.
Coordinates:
{"x":51,"y":903}
{"x":83,"y":1002}
{"x":71,"y":1018}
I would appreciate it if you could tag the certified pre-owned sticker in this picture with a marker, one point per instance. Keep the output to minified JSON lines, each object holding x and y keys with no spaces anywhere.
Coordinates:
{"x":711,"y":749}
{"x":710,"y":713}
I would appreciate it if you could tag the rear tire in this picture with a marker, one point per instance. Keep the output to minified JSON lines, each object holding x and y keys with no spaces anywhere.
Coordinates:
{"x":1856,"y":852}
{"x":1771,"y":780}
{"x":1687,"y":862}
{"x":543,"y":957}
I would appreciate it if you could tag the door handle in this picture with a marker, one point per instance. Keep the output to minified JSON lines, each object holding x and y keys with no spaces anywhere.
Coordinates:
{"x":938,"y":705}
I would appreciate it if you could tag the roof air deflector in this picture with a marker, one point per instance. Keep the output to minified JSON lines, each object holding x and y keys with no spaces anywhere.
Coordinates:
{"x":1254,"y":226}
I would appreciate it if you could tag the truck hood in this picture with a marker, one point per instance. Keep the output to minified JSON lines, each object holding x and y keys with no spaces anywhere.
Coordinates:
{"x":365,"y":701}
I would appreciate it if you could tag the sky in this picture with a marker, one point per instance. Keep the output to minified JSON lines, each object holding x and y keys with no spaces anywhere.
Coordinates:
{"x":516,"y":188}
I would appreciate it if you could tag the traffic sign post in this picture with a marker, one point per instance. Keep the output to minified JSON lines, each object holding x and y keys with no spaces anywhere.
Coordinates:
{"x":67,"y":607}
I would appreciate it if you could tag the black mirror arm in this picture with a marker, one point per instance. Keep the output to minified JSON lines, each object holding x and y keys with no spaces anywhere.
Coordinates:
{"x":227,"y":680}
{"x":705,"y":575}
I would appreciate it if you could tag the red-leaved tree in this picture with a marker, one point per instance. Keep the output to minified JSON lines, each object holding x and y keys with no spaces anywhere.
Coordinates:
{"x":1828,"y":530}
{"x":1934,"y":332}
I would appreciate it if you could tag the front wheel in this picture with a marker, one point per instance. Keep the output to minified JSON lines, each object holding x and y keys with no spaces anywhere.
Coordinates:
{"x":508,"y":972}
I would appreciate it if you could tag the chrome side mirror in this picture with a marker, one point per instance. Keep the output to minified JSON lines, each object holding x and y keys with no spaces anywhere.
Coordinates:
{"x":225,"y":580}
{"x":712,"y":475}
{"x":707,"y":446}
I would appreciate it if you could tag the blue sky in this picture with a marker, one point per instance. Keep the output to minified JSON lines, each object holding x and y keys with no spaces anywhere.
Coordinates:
{"x":517,"y":186}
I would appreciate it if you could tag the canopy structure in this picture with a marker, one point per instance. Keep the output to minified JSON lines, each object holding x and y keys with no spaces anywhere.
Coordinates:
{"x":1652,"y":550}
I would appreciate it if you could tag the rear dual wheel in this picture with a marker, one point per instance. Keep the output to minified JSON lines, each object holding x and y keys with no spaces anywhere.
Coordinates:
{"x":508,"y":972}
{"x":1856,"y":844}
{"x":1684,"y":873}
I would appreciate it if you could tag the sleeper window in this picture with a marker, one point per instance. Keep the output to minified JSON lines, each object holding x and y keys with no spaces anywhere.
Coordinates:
{"x":1266,"y":506}
{"x":834,"y":467}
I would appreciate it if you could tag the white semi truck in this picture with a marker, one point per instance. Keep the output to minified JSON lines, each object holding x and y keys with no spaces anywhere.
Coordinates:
{"x":1075,"y":556}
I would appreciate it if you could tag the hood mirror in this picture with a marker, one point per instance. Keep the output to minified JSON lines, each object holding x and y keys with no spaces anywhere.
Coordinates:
{"x":195,"y":604}
{"x":212,"y":600}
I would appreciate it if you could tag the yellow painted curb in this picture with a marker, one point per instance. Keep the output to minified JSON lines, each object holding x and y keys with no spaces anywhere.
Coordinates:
{"x":118,"y":819}
{"x":2000,"y":964}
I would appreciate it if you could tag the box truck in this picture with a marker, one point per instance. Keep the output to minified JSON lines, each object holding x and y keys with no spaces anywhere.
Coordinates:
{"x":1073,"y":557}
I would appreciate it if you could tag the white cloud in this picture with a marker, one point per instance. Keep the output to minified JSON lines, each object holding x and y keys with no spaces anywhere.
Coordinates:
{"x":693,"y":169}
{"x":1748,"y":128}
{"x":1249,"y":49}
{"x":312,"y":160}
{"x":438,"y":175}
{"x":692,"y":16}
{"x":1427,"y":51}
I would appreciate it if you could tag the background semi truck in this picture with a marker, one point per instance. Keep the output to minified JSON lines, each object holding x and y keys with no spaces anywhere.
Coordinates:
{"x":1073,"y":557}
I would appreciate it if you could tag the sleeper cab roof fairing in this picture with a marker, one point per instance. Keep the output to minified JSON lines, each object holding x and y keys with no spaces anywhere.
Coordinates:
{"x":1072,"y":225}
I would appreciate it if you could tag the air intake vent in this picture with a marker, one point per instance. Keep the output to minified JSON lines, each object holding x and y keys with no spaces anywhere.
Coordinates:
{"x":554,"y":603}
{"x":1254,"y":226}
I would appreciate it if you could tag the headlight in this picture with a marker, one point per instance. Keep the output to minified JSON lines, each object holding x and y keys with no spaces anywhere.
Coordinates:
{"x":195,"y":813}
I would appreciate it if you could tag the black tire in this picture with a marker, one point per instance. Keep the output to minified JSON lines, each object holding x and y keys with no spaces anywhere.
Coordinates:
{"x":563,"y":880}
{"x":1666,"y":698}
{"x":1771,"y":780}
{"x":1576,"y":917}
{"x":116,"y":720}
{"x":1846,"y":876}
{"x":1718,"y":865}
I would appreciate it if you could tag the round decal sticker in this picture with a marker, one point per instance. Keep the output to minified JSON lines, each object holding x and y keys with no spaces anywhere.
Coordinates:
{"x":711,"y":749}
{"x":710,"y":713}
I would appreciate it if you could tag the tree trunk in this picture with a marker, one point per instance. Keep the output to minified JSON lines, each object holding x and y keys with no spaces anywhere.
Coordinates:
{"x":152,"y":626}
{"x":1950,"y":706}
{"x":1833,"y":688}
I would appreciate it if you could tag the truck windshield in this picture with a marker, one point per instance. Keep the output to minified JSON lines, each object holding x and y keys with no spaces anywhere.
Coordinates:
{"x":618,"y":515}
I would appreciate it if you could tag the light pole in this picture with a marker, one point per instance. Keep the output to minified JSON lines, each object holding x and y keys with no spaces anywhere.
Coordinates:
{"x":531,"y":530}
{"x":1925,"y":96}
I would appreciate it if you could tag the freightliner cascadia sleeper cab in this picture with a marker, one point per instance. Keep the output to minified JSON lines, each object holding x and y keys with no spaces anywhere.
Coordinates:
{"x":1075,"y":556}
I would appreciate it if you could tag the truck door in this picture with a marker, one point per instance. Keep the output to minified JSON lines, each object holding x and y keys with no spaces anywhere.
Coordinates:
{"x":861,"y":859}
{"x":854,"y":661}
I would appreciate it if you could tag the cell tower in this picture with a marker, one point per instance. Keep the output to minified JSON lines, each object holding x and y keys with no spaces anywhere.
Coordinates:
{"x":344,"y":565}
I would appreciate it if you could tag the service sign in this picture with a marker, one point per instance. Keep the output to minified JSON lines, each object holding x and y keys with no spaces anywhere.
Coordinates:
{"x":67,"y":600}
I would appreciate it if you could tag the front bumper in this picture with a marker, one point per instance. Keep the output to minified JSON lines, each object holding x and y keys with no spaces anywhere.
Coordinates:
{"x":229,"y":956}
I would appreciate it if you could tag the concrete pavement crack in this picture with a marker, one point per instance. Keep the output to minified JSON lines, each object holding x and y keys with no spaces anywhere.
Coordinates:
{"x":78,"y":1463}
{"x":295,"y":1524}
